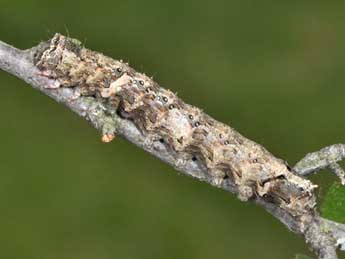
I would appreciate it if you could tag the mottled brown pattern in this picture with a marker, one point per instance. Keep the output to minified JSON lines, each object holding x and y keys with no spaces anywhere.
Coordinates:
{"x":185,"y":130}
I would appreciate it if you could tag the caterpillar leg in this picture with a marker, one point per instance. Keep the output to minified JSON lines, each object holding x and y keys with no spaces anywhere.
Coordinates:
{"x":54,"y":83}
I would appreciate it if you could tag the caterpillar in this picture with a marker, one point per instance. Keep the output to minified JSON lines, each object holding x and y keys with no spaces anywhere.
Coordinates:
{"x":185,"y":130}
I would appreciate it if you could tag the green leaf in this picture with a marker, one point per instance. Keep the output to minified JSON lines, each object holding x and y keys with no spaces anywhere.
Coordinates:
{"x":334,"y":204}
{"x":301,"y":256}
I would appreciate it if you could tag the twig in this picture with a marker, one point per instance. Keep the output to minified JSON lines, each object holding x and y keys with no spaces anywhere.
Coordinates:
{"x":322,"y":159}
{"x":255,"y":173}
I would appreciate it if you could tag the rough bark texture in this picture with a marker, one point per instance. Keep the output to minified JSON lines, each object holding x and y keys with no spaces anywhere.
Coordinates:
{"x":118,"y":100}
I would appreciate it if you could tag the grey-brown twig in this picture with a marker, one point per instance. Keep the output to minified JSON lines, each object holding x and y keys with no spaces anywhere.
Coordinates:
{"x":328,"y":157}
{"x":116,"y":100}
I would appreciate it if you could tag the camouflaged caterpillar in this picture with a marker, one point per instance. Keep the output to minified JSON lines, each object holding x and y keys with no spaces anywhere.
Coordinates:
{"x":184,"y":129}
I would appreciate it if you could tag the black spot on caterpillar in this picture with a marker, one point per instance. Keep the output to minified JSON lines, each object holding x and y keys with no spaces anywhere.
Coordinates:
{"x":185,"y":130}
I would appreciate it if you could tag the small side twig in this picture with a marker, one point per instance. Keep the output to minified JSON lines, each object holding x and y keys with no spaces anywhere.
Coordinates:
{"x":326,"y":158}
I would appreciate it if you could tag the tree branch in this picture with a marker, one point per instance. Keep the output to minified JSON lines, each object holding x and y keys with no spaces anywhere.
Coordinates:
{"x":62,"y":69}
{"x":322,"y":159}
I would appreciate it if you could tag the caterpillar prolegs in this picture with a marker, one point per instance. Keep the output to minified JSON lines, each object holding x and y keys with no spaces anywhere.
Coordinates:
{"x":185,"y":130}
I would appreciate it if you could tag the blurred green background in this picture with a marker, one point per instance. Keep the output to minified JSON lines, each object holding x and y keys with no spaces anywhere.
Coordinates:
{"x":274,"y":70}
